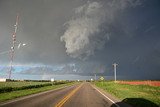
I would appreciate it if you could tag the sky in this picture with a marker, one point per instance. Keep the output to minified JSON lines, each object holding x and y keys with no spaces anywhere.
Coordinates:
{"x":81,"y":38}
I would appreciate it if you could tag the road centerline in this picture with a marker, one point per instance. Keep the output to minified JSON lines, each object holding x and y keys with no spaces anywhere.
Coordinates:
{"x":64,"y":100}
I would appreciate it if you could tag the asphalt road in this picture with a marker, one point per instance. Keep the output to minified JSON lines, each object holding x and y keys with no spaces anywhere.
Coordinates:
{"x":83,"y":95}
{"x":87,"y":96}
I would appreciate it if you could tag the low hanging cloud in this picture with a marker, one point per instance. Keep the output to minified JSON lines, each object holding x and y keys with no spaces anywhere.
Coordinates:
{"x":89,"y":28}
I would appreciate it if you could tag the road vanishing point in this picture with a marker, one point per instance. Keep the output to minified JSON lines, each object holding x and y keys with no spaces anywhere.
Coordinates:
{"x":78,"y":95}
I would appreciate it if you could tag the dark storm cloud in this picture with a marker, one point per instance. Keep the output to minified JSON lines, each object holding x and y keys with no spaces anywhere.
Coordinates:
{"x":91,"y":26}
{"x":134,"y":43}
{"x":40,"y":25}
{"x":101,"y":32}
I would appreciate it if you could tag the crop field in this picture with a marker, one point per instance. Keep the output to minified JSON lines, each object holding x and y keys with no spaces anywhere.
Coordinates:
{"x":139,"y":95}
{"x":20,"y":84}
{"x":11,"y":90}
{"x":14,"y":86}
{"x":151,"y":83}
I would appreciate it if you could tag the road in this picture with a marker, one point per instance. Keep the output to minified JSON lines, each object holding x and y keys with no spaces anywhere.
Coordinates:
{"x":82,"y":95}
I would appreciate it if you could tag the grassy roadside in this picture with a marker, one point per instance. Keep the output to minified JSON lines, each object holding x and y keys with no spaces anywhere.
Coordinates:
{"x":136,"y":95}
{"x":20,"y":93}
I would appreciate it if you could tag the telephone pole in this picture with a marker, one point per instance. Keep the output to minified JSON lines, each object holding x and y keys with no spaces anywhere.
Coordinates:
{"x":95,"y":77}
{"x":115,"y":68}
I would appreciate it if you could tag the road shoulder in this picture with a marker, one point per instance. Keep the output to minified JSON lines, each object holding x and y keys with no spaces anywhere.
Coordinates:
{"x":116,"y":102}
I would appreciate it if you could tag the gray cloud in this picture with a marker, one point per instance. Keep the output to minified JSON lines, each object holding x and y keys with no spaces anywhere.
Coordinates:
{"x":100,"y":32}
{"x":89,"y":28}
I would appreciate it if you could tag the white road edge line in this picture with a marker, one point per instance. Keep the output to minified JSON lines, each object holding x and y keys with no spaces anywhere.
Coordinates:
{"x":106,"y":97}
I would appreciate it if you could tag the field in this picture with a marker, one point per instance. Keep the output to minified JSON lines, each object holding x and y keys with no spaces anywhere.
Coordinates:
{"x":151,"y":83}
{"x":136,"y":95}
{"x":20,"y":84}
{"x":11,"y":90}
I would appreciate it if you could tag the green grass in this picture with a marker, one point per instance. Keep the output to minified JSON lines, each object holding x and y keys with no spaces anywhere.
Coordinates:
{"x":19,"y":84}
{"x":123,"y":91}
{"x":20,"y":93}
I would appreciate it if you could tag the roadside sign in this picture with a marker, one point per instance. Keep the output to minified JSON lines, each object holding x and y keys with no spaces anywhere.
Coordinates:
{"x":101,"y":78}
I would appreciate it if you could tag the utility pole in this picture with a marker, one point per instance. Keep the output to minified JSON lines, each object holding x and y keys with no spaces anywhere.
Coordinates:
{"x":13,"y":46}
{"x":115,"y":68}
{"x":95,"y":77}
